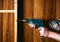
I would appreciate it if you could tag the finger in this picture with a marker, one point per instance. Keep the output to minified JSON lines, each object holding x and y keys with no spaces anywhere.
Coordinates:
{"x":40,"y":28}
{"x":31,"y":25}
{"x":41,"y":32}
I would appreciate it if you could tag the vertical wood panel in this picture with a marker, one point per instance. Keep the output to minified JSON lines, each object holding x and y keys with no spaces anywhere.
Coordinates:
{"x":5,"y":27}
{"x":8,"y":27}
{"x":28,"y":12}
{"x":11,"y":27}
{"x":28,"y":8}
{"x":47,"y":9}
{"x":1,"y":27}
{"x":57,"y":9}
{"x":8,"y":4}
{"x":1,"y":4}
{"x":38,"y":9}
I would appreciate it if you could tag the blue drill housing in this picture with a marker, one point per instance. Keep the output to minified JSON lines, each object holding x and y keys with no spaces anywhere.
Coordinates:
{"x":38,"y":23}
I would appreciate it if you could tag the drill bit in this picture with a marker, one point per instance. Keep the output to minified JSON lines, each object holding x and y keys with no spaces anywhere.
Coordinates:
{"x":24,"y":20}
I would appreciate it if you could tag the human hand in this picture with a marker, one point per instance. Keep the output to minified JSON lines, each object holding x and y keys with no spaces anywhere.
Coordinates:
{"x":43,"y":32}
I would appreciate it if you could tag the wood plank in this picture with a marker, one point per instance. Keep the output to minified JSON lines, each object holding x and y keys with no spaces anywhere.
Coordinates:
{"x":38,"y":9}
{"x":8,"y":27}
{"x":28,"y":8}
{"x":1,"y":27}
{"x":11,"y":27}
{"x":5,"y":4}
{"x":1,"y":6}
{"x":28,"y":13}
{"x":8,"y":5}
{"x":5,"y":27}
{"x":47,"y":9}
{"x":57,"y":9}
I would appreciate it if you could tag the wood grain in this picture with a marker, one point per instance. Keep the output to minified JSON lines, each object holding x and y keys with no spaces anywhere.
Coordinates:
{"x":8,"y":5}
{"x":5,"y":26}
{"x":1,"y":27}
{"x":11,"y":27}
{"x":1,"y":6}
{"x":38,"y":9}
{"x":57,"y":9}
{"x":8,"y":27}
{"x":28,"y":13}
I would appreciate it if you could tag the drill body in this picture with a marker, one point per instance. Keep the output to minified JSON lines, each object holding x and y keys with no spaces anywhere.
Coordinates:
{"x":54,"y":24}
{"x":38,"y":23}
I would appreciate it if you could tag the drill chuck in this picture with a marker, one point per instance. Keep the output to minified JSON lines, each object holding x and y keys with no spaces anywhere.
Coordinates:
{"x":55,"y":24}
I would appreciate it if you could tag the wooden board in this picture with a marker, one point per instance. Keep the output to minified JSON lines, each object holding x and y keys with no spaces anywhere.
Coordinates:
{"x":8,"y":27}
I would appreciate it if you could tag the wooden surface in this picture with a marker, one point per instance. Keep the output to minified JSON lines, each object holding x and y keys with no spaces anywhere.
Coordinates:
{"x":8,"y":27}
{"x":57,"y":9}
{"x":39,"y":9}
{"x":1,"y":27}
{"x":6,"y":4}
{"x":28,"y":12}
{"x":1,"y":6}
{"x":6,"y":21}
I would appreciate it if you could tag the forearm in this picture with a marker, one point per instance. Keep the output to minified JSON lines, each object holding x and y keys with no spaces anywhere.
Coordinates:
{"x":54,"y":35}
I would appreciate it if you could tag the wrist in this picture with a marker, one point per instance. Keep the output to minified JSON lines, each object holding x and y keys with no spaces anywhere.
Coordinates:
{"x":51,"y":34}
{"x":46,"y":34}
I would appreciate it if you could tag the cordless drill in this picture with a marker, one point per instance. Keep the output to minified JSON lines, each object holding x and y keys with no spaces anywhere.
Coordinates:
{"x":38,"y":23}
{"x":54,"y":24}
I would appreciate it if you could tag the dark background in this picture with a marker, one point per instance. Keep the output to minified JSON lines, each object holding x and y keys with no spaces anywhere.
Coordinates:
{"x":20,"y":24}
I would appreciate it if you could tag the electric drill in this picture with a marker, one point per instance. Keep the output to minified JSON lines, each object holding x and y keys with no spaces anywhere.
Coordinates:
{"x":38,"y":23}
{"x":54,"y":24}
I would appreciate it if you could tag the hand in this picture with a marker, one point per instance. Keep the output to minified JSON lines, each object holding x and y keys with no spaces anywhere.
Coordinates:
{"x":43,"y":32}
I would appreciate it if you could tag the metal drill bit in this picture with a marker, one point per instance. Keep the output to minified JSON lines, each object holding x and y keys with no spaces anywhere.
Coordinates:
{"x":24,"y":20}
